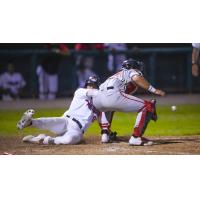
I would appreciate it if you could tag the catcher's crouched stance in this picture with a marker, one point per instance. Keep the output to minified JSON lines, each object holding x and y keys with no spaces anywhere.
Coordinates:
{"x":70,"y":127}
{"x":114,"y":95}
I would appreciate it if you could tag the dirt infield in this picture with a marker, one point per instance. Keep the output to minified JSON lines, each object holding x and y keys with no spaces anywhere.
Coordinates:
{"x":92,"y":146}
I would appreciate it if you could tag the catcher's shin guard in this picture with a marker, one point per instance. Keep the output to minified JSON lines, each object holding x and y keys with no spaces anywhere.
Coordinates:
{"x":148,"y":113}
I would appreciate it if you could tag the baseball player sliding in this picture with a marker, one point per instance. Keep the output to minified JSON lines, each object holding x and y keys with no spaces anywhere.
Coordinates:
{"x":70,"y":127}
{"x":114,"y":95}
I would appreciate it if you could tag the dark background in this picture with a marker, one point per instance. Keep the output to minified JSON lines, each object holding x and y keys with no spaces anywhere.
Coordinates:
{"x":168,"y":65}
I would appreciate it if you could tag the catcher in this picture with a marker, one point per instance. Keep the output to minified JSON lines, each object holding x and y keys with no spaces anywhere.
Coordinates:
{"x":114,"y":95}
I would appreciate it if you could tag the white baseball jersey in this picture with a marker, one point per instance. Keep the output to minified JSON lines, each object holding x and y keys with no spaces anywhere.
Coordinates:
{"x":196,"y":45}
{"x":81,"y":107}
{"x":13,"y":82}
{"x":122,"y":81}
{"x":75,"y":120}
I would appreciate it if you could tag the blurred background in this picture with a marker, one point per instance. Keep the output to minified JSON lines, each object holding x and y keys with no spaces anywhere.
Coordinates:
{"x":54,"y":70}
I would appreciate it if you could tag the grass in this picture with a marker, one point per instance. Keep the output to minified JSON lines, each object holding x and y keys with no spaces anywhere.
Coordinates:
{"x":184,"y":121}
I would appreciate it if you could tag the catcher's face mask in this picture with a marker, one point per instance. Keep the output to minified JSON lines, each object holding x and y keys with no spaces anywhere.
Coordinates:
{"x":133,"y":64}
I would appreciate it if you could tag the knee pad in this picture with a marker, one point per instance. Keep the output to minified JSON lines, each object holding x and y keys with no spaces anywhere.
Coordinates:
{"x":148,"y":106}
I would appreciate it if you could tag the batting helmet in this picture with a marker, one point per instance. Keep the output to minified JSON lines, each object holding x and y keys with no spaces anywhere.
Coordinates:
{"x":92,"y":80}
{"x":133,"y":64}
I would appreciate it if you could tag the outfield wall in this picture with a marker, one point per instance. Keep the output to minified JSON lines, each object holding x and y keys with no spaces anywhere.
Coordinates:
{"x":168,"y":68}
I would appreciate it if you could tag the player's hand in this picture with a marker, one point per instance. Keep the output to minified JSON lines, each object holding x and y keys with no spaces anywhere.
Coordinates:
{"x":160,"y":92}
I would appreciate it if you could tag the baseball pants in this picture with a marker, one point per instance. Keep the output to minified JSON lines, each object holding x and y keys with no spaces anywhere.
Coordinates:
{"x":112,"y":100}
{"x":67,"y":131}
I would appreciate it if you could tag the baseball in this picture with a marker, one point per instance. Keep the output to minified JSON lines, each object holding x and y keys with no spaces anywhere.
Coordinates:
{"x":173,"y":108}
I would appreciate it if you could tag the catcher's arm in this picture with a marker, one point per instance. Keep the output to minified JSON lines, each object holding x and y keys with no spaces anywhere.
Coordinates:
{"x":143,"y":83}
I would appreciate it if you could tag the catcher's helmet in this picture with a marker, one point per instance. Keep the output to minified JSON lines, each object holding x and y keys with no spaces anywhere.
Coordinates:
{"x":133,"y":64}
{"x":92,"y":80}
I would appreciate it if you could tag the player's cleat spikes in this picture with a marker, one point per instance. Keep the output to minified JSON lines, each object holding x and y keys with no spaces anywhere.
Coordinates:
{"x":139,"y":141}
{"x":154,"y":114}
{"x":26,"y":119}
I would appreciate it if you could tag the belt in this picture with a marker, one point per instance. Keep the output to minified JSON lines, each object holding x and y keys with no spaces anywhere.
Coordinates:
{"x":75,"y":120}
{"x":110,"y":88}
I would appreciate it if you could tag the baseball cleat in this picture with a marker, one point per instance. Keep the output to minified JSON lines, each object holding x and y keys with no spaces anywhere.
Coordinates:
{"x":105,"y":138}
{"x":35,"y":140}
{"x":140,"y":141}
{"x":26,"y":119}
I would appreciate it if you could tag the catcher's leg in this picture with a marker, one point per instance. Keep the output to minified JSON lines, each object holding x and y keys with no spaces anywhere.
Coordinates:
{"x":146,"y":112}
{"x":112,"y":134}
{"x":105,"y":127}
{"x":105,"y":121}
{"x":143,"y":118}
